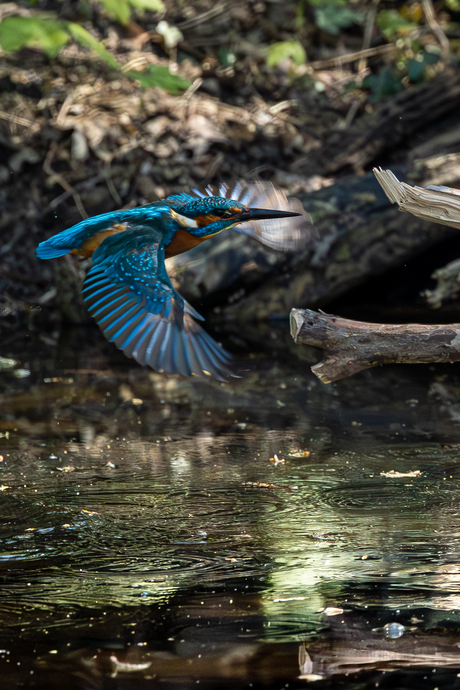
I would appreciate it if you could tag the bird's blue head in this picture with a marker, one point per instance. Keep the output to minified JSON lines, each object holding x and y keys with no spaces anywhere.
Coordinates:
{"x":209,"y":215}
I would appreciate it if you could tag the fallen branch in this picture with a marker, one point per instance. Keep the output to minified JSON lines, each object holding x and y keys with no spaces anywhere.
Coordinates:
{"x":351,"y":346}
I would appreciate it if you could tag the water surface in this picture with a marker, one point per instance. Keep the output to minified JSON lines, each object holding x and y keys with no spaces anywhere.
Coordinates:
{"x":267,"y":532}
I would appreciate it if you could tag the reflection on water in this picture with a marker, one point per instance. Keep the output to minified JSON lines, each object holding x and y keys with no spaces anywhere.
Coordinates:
{"x":266,"y":531}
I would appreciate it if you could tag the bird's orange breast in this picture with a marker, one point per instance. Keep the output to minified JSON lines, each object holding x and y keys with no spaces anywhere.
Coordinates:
{"x":90,"y":245}
{"x":182,"y":241}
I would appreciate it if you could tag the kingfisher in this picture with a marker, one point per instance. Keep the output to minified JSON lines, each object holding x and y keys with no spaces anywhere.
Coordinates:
{"x":127,"y":289}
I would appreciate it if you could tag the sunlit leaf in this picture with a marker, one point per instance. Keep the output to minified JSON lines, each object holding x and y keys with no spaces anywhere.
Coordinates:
{"x":159,"y":75}
{"x":83,"y":37}
{"x":121,"y":9}
{"x":118,"y":9}
{"x":152,"y":5}
{"x":278,"y":52}
{"x":33,"y":32}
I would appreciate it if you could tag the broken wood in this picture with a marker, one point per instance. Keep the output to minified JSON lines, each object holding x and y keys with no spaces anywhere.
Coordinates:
{"x":438,"y":203}
{"x":351,"y":346}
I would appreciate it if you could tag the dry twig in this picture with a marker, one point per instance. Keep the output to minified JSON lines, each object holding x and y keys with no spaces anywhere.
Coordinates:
{"x":33,"y":126}
{"x":430,"y":16}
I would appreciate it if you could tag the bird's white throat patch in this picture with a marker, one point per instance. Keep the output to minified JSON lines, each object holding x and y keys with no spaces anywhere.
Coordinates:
{"x":183,"y":220}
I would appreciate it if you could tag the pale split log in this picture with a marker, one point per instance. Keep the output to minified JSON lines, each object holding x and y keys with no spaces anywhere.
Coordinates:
{"x":351,"y":346}
{"x":436,"y":203}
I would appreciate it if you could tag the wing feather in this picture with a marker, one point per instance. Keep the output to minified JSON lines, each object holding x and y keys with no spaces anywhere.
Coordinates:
{"x":137,"y":348}
{"x":122,"y":328}
{"x":129,"y":294}
{"x":180,"y":356}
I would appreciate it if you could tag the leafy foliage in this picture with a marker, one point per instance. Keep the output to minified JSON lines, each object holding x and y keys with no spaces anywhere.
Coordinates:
{"x":159,"y":75}
{"x":50,"y":35}
{"x":386,"y":83}
{"x":416,"y":68}
{"x":121,"y":9}
{"x":333,"y":15}
{"x":84,"y":38}
{"x":393,"y":24}
{"x":33,"y":32}
{"x":278,"y":52}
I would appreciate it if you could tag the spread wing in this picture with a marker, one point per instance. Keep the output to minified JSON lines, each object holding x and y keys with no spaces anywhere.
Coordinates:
{"x":129,"y":294}
{"x":283,"y":234}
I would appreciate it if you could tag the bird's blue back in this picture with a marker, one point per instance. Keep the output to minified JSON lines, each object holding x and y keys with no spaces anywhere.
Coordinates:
{"x":156,"y":216}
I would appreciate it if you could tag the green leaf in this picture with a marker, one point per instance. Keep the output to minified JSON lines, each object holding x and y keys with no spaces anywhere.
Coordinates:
{"x":152,"y":5}
{"x":33,"y":32}
{"x":118,"y":9}
{"x":159,"y":75}
{"x":278,"y":52}
{"x":83,"y":37}
{"x":382,"y":85}
{"x":333,"y":16}
{"x":416,"y":68}
{"x":121,"y":9}
{"x":430,"y":58}
{"x":392,"y":24}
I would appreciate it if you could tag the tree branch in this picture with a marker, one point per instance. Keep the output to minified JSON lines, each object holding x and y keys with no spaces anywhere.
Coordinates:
{"x":351,"y":346}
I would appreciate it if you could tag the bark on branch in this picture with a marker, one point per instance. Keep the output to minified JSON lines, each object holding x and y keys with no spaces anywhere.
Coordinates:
{"x":351,"y":346}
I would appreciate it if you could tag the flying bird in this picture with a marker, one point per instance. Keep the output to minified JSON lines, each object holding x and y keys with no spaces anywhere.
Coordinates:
{"x":127,"y":289}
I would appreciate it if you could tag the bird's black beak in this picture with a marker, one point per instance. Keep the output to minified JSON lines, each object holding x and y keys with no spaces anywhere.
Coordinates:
{"x":264,"y":214}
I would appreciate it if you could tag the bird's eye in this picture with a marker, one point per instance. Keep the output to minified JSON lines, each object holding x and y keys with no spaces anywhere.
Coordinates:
{"x":223,"y":213}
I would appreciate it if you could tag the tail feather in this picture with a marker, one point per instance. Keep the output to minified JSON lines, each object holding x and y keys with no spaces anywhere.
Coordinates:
{"x":46,"y":250}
